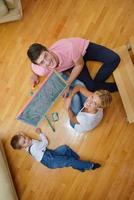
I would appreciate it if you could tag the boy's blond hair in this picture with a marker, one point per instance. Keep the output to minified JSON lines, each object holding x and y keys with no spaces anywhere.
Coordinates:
{"x":105,"y":98}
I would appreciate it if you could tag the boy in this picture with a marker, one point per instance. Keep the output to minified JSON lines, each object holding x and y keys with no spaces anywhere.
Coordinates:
{"x":63,"y":156}
{"x":86,"y":109}
{"x":72,"y":54}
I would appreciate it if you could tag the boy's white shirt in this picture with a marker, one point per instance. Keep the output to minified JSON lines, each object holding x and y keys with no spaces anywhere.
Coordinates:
{"x":38,"y":147}
{"x":88,"y":121}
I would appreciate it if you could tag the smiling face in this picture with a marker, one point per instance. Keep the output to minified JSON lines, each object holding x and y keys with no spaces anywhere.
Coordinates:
{"x":24,"y":141}
{"x":47,"y":59}
{"x":93,"y":102}
{"x":99,"y":99}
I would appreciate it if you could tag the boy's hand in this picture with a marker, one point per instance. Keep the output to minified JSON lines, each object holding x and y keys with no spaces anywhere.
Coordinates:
{"x":38,"y":130}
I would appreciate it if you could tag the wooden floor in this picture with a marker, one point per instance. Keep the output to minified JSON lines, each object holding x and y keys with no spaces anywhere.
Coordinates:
{"x":109,"y":23}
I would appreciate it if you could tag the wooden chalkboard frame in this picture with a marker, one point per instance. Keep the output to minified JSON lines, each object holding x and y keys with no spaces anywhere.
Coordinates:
{"x":21,"y":114}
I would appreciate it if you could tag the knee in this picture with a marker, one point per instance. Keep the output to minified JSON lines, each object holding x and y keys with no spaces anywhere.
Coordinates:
{"x":81,"y":84}
{"x":77,"y":82}
{"x":115,"y":58}
{"x":76,"y":99}
{"x":92,"y":86}
{"x":65,"y":146}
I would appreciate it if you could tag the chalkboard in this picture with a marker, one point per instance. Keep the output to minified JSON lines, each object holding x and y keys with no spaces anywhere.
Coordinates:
{"x":43,"y":99}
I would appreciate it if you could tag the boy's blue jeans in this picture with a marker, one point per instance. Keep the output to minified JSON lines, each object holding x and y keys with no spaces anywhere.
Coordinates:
{"x":64,"y":156}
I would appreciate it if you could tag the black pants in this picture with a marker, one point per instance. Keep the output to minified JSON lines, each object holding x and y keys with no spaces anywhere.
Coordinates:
{"x":110,"y":61}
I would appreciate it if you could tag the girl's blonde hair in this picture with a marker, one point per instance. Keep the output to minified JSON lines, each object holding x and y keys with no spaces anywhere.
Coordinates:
{"x":105,"y":98}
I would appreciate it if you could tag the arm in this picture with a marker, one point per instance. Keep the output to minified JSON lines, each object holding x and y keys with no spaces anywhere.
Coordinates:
{"x":78,"y":66}
{"x":72,"y":117}
{"x":43,"y":138}
{"x":34,"y":79}
{"x":77,"y":89}
{"x":82,"y":90}
{"x":75,"y":72}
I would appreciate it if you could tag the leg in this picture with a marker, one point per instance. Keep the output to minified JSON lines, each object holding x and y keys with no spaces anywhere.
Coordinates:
{"x":93,"y":85}
{"x":102,"y":54}
{"x":82,"y":165}
{"x":59,"y":161}
{"x":76,"y":104}
{"x":82,"y":99}
{"x":66,"y":150}
{"x":76,"y":82}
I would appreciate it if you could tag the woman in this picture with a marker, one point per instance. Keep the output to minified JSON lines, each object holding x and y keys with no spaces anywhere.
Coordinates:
{"x":86,"y":109}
